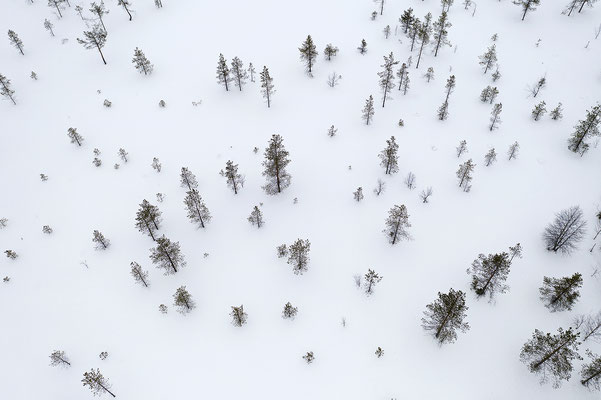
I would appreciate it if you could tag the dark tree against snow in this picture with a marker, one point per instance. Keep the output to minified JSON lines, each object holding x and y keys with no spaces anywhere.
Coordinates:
{"x":371,"y":279}
{"x":590,"y":375}
{"x":167,"y":255}
{"x":586,"y":129}
{"x":123,"y":155}
{"x":386,"y":31}
{"x":308,"y":54}
{"x":490,"y":157}
{"x":387,"y":77}
{"x":266,"y":86}
{"x":423,"y":34}
{"x":141,"y":62}
{"x":330,"y":51}
{"x":102,"y":243}
{"x":489,"y":274}
{"x":156,"y":164}
{"x":59,"y":358}
{"x":513,"y":151}
{"x":462,"y":148}
{"x":158,"y":3}
{"x":96,"y":382}
{"x":79,"y":11}
{"x":540,"y":84}
{"x":48,"y":26}
{"x":380,"y":3}
{"x":564,"y":233}
{"x":188,"y":179}
{"x":414,"y":31}
{"x":362,"y":49}
{"x":275,"y":163}
{"x":397,"y":224}
{"x":489,"y":94}
{"x":443,"y":110}
{"x":445,"y":316}
{"x":238,"y":315}
{"x":429,"y":75}
{"x":99,"y":11}
{"x":289,"y":311}
{"x":389,"y":157}
{"x":13,"y":38}
{"x":239,"y":74}
{"x":125,"y":4}
{"x":551,"y":356}
{"x":527,"y":5}
{"x":94,"y":39}
{"x":223,"y":72}
{"x":425,"y":194}
{"x":368,"y":110}
{"x":489,"y":58}
{"x":140,"y":276}
{"x":234,"y":179}
{"x":358,"y":194}
{"x":464,"y":175}
{"x":560,"y":294}
{"x":182,"y":299}
{"x":5,"y":89}
{"x":57,"y":5}
{"x":406,"y":20}
{"x":557,"y":112}
{"x":446,"y":5}
{"x":148,"y":219}
{"x":298,"y":256}
{"x":251,"y":71}
{"x":495,"y":116}
{"x":198,"y":212}
{"x":539,"y":110}
{"x":410,"y":180}
{"x":74,"y":136}
{"x":256,"y":217}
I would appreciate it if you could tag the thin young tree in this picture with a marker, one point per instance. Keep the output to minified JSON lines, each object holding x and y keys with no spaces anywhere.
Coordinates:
{"x":188,"y":179}
{"x":167,"y":255}
{"x":445,"y":316}
{"x":234,"y":179}
{"x":102,"y":243}
{"x":97,"y":383}
{"x":251,"y":71}
{"x":14,"y":39}
{"x":99,"y":11}
{"x":401,"y":73}
{"x":140,"y":276}
{"x":308,"y":54}
{"x":464,"y":175}
{"x":397,"y":224}
{"x":141,"y":62}
{"x":490,"y":157}
{"x":275,"y":163}
{"x":94,"y":39}
{"x":585,"y":130}
{"x":74,"y":136}
{"x":513,"y":151}
{"x":557,"y":112}
{"x":406,"y":20}
{"x":362,"y":49}
{"x":198,"y":212}
{"x":414,"y":31}
{"x":495,"y":116}
{"x":239,"y":317}
{"x":238,"y":72}
{"x":223,"y":72}
{"x":289,"y":311}
{"x":330,"y":51}
{"x":148,"y":219}
{"x":298,"y":256}
{"x":358,"y":194}
{"x":125,"y":4}
{"x":182,"y":299}
{"x":371,"y":279}
{"x":429,"y":75}
{"x":256,"y":217}
{"x":423,"y":34}
{"x":48,"y":26}
{"x":564,"y":233}
{"x":462,"y":148}
{"x":59,"y":358}
{"x":389,"y":156}
{"x":58,"y":5}
{"x":539,"y":110}
{"x":368,"y":110}
{"x":560,"y":294}
{"x":489,"y":274}
{"x":381,"y":3}
{"x":5,"y":89}
{"x":267,"y":85}
{"x":489,"y":58}
{"x":527,"y":5}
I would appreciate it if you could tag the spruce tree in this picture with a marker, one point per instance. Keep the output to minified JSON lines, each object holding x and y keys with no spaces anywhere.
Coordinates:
{"x":462,"y":148}
{"x":445,"y":316}
{"x":414,"y":31}
{"x":556,"y":113}
{"x":58,"y":5}
{"x":464,"y":175}
{"x":99,"y":10}
{"x":585,"y":129}
{"x":74,"y":136}
{"x":527,"y":5}
{"x":275,"y":163}
{"x":495,"y":118}
{"x":289,"y":311}
{"x":358,"y":194}
{"x":539,"y":110}
{"x":429,"y":75}
{"x":423,"y":34}
{"x":401,"y":74}
{"x":97,"y":383}
{"x":368,"y":110}
{"x":15,"y":41}
{"x":148,"y":218}
{"x":490,"y":157}
{"x":102,"y":243}
{"x":239,"y":317}
{"x":590,"y":375}
{"x":370,"y":280}
{"x":308,"y":54}
{"x":5,"y":89}
{"x":389,"y":156}
{"x":94,"y":39}
{"x":330,"y":51}
{"x":223,"y":72}
{"x":489,"y":274}
{"x":188,"y":179}
{"x":362,"y":49}
{"x":256,"y":217}
{"x":48,"y":26}
{"x":560,"y":294}
{"x":182,"y":299}
{"x":234,"y":179}
{"x":489,"y":58}
{"x":238,"y":73}
{"x":566,"y":231}
{"x":59,"y":358}
{"x":167,"y":255}
{"x":397,"y":224}
{"x":298,"y":256}
{"x":387,"y":77}
{"x":141,"y":62}
{"x":251,"y":71}
{"x":125,"y":4}
{"x":551,"y":356}
{"x":513,"y":151}
{"x":197,"y":209}
{"x":406,"y":20}
{"x":267,"y":86}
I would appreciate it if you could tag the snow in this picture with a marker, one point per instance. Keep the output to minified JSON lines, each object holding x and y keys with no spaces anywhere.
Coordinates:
{"x":54,"y":302}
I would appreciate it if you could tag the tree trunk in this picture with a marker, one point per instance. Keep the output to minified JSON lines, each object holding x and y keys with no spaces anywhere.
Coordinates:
{"x":128,"y":13}
{"x":585,"y":381}
{"x":101,"y":55}
{"x":444,"y":322}
{"x":548,"y":356}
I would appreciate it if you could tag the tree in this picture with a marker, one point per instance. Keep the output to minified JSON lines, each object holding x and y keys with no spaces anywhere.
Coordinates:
{"x":99,"y":10}
{"x":362,"y":47}
{"x":75,"y":136}
{"x":410,"y":180}
{"x":15,"y":41}
{"x":368,"y":110}
{"x":443,"y":111}
{"x":148,"y":218}
{"x":125,"y":4}
{"x":490,"y":157}
{"x":298,"y":256}
{"x":256,"y":217}
{"x":414,"y":31}
{"x":550,"y":356}
{"x":358,"y":194}
{"x":97,"y":383}
{"x":539,"y":110}
{"x":371,"y":278}
{"x":389,"y":157}
{"x":330,"y":51}
{"x":48,"y":26}
{"x":141,"y":62}
{"x":58,"y":4}
{"x":566,"y":231}
{"x":489,"y":58}
{"x":234,"y":179}
{"x":538,"y":86}
{"x":223,"y":72}
{"x":589,"y":3}
{"x":96,"y":38}
{"x":239,"y":73}
{"x":140,"y":276}
{"x":489,"y":94}
{"x":402,"y":73}
{"x":289,"y":311}
{"x":489,"y":274}
{"x":123,"y":155}
{"x":423,"y":34}
{"x":158,"y":3}
{"x":560,"y":294}
{"x":425,"y":194}
{"x":183,"y":300}
{"x":445,"y":315}
{"x":267,"y":85}
{"x":406,"y":20}
{"x":5,"y":89}
{"x":495,"y":118}
{"x":429,"y":75}
{"x":59,"y":358}
{"x":275,"y":163}
{"x":238,"y":315}
{"x":79,"y":10}
{"x":464,"y":173}
{"x":102,"y":243}
{"x":590,"y":375}
{"x":387,"y":77}
{"x":556,"y":113}
{"x":462,"y":148}
{"x":446,"y":5}
{"x":513,"y":150}
{"x":197,"y":209}
{"x":308,"y":54}
{"x":381,"y":3}
{"x":441,"y":32}
{"x":527,"y":5}
{"x":188,"y":179}
{"x":167,"y":255}
{"x":386,"y":31}
{"x":585,"y":129}
{"x":251,"y":71}
{"x":397,"y":224}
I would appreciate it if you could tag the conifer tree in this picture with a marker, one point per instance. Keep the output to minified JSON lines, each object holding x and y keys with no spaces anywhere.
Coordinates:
{"x":267,"y":86}
{"x":370,"y":280}
{"x":527,"y":5}
{"x":589,"y":3}
{"x":275,"y":163}
{"x":585,"y":129}
{"x":148,"y":218}
{"x":97,"y":383}
{"x":125,"y":4}
{"x":381,"y":3}
{"x":389,"y":157}
{"x":489,"y":58}
{"x":197,"y":209}
{"x":429,"y":75}
{"x":445,"y":316}
{"x":167,"y":255}
{"x":223,"y":72}
{"x":140,"y":276}
{"x":15,"y":41}
{"x":251,"y":71}
{"x":182,"y":299}
{"x":102,"y":243}
{"x":538,"y":86}
{"x":238,"y":316}
{"x":99,"y":10}
{"x":368,"y":110}
{"x":513,"y":151}
{"x":79,"y":10}
{"x":423,"y":34}
{"x":397,"y":224}
{"x":401,"y":74}
{"x":58,"y":4}
{"x":489,"y":94}
{"x":141,"y":62}
{"x":490,"y":157}
{"x":560,"y":294}
{"x":308,"y":54}
{"x":386,"y":31}
{"x":464,"y":174}
{"x":5,"y":89}
{"x":446,"y":5}
{"x":590,"y":375}
{"x":566,"y":231}
{"x":59,"y":358}
{"x":462,"y":148}
{"x":289,"y":311}
{"x":551,"y":356}
{"x":188,"y":179}
{"x":256,"y":217}
{"x":358,"y":194}
{"x":489,"y":274}
{"x":414,"y":31}
{"x":48,"y":26}
{"x":158,"y":3}
{"x":406,"y":20}
{"x":539,"y":110}
{"x":74,"y":136}
{"x":94,"y":39}
{"x":556,"y":113}
{"x":330,"y":51}
{"x":239,"y":73}
{"x":234,"y":179}
{"x":387,"y":77}
{"x":495,"y":118}
{"x":298,"y":256}
{"x":362,"y":49}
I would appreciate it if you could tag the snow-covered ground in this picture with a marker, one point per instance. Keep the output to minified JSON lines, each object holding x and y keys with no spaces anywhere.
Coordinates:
{"x":53,"y":301}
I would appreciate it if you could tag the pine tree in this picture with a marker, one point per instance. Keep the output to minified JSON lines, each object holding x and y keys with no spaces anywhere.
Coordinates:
{"x":167,"y":255}
{"x":462,"y":148}
{"x":560,"y":294}
{"x":445,"y":315}
{"x":148,"y":218}
{"x":238,"y":316}
{"x":489,"y":274}
{"x":58,"y":4}
{"x":527,"y":5}
{"x":396,"y":224}
{"x":381,"y":3}
{"x":370,"y":280}
{"x":443,"y":110}
{"x":75,"y":136}
{"x":490,"y":157}
{"x":387,"y":77}
{"x":140,"y":276}
{"x":406,"y":20}
{"x":464,"y":173}
{"x":125,"y":4}
{"x":591,"y":372}
{"x":386,"y":31}
{"x":102,"y":243}
{"x":234,"y":179}
{"x":15,"y":41}
{"x":251,"y":71}
{"x":429,"y":75}
{"x":97,"y":383}
{"x":551,"y":356}
{"x":197,"y":209}
{"x":79,"y":10}
{"x":182,"y":299}
{"x":308,"y":54}
{"x":123,"y":155}
{"x":5,"y":89}
{"x":275,"y":163}
{"x":96,"y":38}
{"x":513,"y":151}
{"x":585,"y":129}
{"x":289,"y":311}
{"x":389,"y":157}
{"x":59,"y":358}
{"x":267,"y":85}
{"x":48,"y":26}
{"x":358,"y":194}
{"x":446,"y":5}
{"x":489,"y":94}
{"x":239,"y":73}
{"x":362,"y":49}
{"x":298,"y":256}
{"x":158,"y":3}
{"x":414,"y":31}
{"x":423,"y":34}
{"x":566,"y":231}
{"x":223,"y":72}
{"x":539,"y":110}
{"x":330,"y":51}
{"x":489,"y":58}
{"x":99,"y":10}
{"x":441,"y":32}
{"x":141,"y":62}
{"x":495,"y":118}
{"x":368,"y":110}
{"x":256,"y":217}
{"x":556,"y":113}
{"x":188,"y":179}
{"x":401,"y":74}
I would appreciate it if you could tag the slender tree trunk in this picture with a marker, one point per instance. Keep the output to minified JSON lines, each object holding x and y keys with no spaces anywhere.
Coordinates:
{"x":101,"y":55}
{"x":548,"y":356}
{"x":58,"y":9}
{"x":171,"y":261}
{"x":585,"y":381}
{"x":444,"y":322}
{"x":108,"y":391}
{"x":128,"y":13}
{"x":582,"y":5}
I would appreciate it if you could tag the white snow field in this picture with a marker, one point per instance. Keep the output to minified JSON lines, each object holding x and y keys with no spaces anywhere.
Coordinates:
{"x":54,"y":302}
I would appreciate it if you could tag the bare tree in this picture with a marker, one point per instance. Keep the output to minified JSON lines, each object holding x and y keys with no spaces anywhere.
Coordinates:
{"x":566,"y":231}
